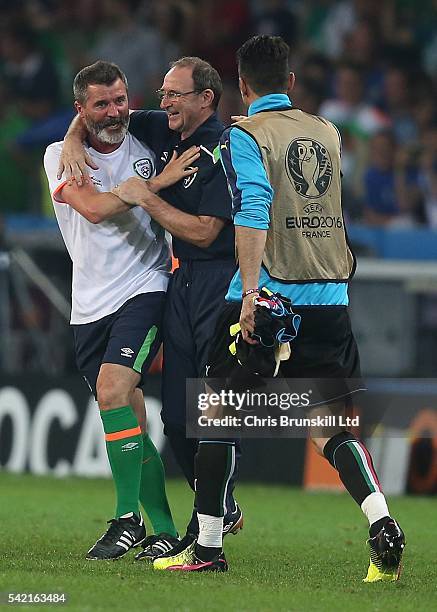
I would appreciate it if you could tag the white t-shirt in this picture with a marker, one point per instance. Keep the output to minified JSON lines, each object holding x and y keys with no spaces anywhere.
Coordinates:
{"x":121,"y":257}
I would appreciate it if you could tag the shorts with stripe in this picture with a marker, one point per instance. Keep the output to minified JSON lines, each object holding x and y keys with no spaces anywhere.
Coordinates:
{"x":131,"y":337}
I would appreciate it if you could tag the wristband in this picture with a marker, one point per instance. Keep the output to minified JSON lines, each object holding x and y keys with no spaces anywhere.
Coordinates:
{"x":249,"y":292}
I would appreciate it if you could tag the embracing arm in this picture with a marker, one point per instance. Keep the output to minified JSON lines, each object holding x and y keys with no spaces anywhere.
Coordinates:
{"x":200,"y":230}
{"x":74,"y":160}
{"x":90,"y":203}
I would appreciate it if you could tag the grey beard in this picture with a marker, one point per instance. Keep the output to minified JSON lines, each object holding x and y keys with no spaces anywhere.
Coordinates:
{"x":108,"y":136}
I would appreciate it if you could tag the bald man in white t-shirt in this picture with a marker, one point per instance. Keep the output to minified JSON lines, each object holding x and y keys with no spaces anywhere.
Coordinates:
{"x":121,"y":267}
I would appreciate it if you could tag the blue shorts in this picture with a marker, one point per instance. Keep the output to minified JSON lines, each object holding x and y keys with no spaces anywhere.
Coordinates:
{"x":131,"y":337}
{"x":196,"y":295}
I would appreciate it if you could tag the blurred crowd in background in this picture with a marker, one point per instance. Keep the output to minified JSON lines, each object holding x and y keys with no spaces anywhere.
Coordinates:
{"x":370,"y":66}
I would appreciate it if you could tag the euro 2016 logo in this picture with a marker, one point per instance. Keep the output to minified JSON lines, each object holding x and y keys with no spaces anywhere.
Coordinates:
{"x":309,"y":167}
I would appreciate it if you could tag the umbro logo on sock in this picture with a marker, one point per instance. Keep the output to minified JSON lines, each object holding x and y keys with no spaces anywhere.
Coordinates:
{"x":129,"y":446}
{"x":127,"y":352}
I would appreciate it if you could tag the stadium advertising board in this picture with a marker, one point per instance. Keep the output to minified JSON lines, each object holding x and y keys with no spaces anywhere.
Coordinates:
{"x":52,"y":427}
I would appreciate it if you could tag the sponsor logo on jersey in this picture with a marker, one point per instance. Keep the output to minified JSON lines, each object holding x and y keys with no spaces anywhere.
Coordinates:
{"x":309,"y":167}
{"x":164,"y":156}
{"x":129,"y":446}
{"x":212,"y":154}
{"x":127,"y":352}
{"x":144,"y":168}
{"x":216,"y":154}
{"x":189,"y":180}
{"x":96,"y":181}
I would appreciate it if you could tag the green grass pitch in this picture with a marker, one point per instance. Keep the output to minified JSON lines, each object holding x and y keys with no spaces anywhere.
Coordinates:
{"x":298,"y":551}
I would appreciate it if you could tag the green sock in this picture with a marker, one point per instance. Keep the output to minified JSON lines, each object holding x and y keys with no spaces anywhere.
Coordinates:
{"x":152,"y":490}
{"x":124,"y":445}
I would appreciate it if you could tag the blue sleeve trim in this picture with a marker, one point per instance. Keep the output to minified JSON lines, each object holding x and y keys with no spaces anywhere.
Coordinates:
{"x":231,"y":176}
{"x":250,"y":189}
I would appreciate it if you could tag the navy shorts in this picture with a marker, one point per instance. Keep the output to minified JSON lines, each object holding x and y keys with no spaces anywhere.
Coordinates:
{"x":324,"y":349}
{"x":131,"y":337}
{"x":195,"y":297}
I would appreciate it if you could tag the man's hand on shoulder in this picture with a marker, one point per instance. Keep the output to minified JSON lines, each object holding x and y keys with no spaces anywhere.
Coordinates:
{"x":74,"y":160}
{"x":138,"y":191}
{"x":74,"y":163}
